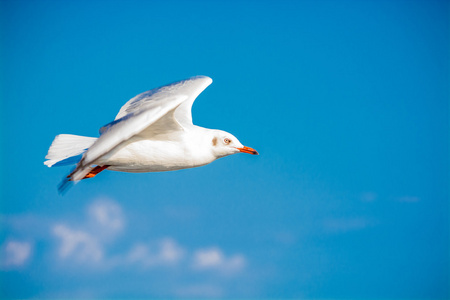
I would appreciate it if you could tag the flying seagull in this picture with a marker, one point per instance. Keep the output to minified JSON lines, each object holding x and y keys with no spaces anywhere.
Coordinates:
{"x":153,"y":132}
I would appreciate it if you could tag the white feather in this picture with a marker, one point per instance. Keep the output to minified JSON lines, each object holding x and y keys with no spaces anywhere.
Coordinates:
{"x":67,"y":145}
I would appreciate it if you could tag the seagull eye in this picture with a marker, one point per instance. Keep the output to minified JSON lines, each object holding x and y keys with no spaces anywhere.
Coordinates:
{"x":227,"y":141}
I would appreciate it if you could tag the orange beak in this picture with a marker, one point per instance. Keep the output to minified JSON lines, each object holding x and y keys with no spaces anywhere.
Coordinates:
{"x":248,"y":150}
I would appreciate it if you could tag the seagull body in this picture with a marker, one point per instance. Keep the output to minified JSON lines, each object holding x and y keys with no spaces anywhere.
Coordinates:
{"x":153,"y":132}
{"x":180,"y":150}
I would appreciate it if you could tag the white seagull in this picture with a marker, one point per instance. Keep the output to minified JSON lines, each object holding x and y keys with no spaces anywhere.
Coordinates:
{"x":153,"y":132}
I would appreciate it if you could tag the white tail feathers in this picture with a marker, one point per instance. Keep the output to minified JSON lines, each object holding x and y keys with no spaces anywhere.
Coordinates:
{"x":66,"y":146}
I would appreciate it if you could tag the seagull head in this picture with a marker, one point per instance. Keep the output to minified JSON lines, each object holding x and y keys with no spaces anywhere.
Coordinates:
{"x":224,"y":143}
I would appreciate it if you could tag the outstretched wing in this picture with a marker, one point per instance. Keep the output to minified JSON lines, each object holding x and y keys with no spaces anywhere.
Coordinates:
{"x":171,"y":102}
{"x":190,"y":88}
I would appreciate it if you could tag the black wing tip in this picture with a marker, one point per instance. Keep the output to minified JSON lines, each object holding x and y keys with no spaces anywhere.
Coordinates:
{"x":64,"y":186}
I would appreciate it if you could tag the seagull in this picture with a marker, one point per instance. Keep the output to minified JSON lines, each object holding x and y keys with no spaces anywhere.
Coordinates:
{"x":153,"y":132}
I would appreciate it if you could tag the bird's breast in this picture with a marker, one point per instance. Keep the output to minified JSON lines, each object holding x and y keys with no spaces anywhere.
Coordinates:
{"x":156,"y":156}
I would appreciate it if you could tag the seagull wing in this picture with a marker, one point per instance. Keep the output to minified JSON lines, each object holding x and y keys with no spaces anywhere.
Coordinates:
{"x":190,"y":88}
{"x":170,"y":104}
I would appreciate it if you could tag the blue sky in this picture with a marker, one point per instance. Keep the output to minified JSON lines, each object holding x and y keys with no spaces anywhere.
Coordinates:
{"x":347,"y":103}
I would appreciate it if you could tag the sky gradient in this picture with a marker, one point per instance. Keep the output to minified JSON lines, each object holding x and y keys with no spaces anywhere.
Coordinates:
{"x":347,"y":103}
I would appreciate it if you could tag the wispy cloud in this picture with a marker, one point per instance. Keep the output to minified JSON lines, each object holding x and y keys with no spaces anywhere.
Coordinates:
{"x":15,"y":254}
{"x":98,"y":241}
{"x":77,"y":244}
{"x":341,"y":225}
{"x":85,"y":243}
{"x":107,"y":214}
{"x":214,"y":259}
{"x":163,"y":252}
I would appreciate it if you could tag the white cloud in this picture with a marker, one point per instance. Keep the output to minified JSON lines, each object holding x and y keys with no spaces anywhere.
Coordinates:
{"x":106,"y":216}
{"x":15,"y":254}
{"x":208,"y":258}
{"x":91,"y":243}
{"x":163,"y":252}
{"x":214,"y":259}
{"x":85,"y":241}
{"x":169,"y":251}
{"x":96,"y":241}
{"x":77,"y":244}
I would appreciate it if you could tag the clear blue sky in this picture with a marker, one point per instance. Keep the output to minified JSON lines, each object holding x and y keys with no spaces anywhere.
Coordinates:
{"x":346,"y":101}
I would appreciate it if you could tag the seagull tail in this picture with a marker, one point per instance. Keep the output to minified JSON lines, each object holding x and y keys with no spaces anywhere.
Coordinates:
{"x":67,"y":149}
